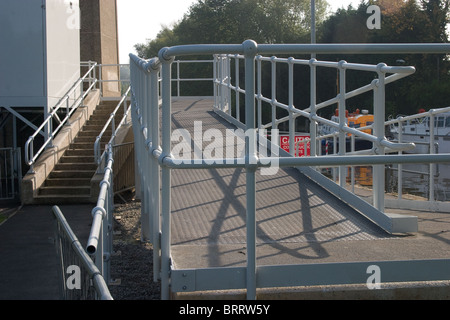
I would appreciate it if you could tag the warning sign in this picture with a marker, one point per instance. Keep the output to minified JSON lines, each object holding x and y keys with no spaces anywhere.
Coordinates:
{"x":299,"y":145}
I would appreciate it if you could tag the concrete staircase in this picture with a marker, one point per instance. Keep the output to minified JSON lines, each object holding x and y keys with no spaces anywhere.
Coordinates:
{"x":70,"y":181}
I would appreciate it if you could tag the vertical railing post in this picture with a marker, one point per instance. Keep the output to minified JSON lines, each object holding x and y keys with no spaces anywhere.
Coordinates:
{"x":259,"y":90}
{"x":238,"y":109}
{"x":313,"y":98}
{"x":432,"y":151}
{"x":342,"y":121}
{"x":146,"y":221}
{"x":250,"y":50}
{"x":292,"y":127}
{"x":166,"y":174}
{"x":379,"y":119}
{"x":215,"y":81}
{"x":273,"y":91}
{"x":400,"y":166}
{"x":228,"y":66}
{"x":155,"y":172}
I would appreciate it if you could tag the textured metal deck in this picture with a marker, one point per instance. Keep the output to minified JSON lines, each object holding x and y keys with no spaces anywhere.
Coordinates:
{"x":208,"y":206}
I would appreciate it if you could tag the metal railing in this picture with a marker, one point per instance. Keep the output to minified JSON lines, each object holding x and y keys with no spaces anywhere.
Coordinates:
{"x":155,"y":161}
{"x":88,"y":283}
{"x":124,"y":177}
{"x":100,"y":242}
{"x":68,"y":104}
{"x":112,"y":123}
{"x":10,"y":173}
{"x":432,"y":146}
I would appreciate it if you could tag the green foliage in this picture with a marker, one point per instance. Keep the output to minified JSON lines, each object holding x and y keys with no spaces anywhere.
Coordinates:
{"x":406,"y":21}
{"x":288,"y":21}
{"x":234,"y":21}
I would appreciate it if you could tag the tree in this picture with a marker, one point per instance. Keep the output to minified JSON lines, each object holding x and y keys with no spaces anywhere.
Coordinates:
{"x":234,"y":21}
{"x":403,"y":21}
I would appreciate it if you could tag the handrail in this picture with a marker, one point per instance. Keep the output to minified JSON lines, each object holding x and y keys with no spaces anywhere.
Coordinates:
{"x":30,"y":156}
{"x":99,"y":213}
{"x":98,"y":157}
{"x":98,"y":281}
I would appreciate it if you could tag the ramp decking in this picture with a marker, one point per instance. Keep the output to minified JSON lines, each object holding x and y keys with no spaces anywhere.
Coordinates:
{"x":296,"y":218}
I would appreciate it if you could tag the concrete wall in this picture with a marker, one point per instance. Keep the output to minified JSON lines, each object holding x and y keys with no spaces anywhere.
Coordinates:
{"x":99,"y":39}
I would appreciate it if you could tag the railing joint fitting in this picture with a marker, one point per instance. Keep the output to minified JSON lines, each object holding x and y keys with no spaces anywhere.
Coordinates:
{"x":101,"y":209}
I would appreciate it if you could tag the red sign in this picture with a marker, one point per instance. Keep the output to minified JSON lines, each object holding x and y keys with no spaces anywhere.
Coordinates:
{"x":299,"y":145}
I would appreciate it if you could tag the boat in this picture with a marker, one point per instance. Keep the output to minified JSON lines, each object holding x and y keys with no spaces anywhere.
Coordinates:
{"x":357,"y":119}
{"x":416,"y":129}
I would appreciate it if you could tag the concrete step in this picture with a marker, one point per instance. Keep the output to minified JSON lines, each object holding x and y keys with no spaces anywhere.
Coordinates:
{"x":79,"y":152}
{"x":94,"y":133}
{"x":72,"y":174}
{"x":91,"y":140}
{"x":77,"y":159}
{"x":68,"y":182}
{"x":94,"y":127}
{"x":107,"y":112}
{"x":82,"y":146}
{"x":64,"y":190}
{"x":76,"y":166}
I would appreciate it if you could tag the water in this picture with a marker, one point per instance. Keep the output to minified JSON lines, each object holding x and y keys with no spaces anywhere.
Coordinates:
{"x":416,"y":180}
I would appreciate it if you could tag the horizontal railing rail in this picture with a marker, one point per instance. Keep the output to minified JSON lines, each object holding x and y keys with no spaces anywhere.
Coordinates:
{"x":155,"y":161}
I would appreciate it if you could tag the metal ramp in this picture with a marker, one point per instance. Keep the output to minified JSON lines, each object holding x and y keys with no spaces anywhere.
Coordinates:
{"x":296,"y":219}
{"x":193,"y":204}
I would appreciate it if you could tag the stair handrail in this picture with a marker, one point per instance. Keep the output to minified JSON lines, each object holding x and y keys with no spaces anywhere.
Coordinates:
{"x":30,"y":156}
{"x":99,"y":157}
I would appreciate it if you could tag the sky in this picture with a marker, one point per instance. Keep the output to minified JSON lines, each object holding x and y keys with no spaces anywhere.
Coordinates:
{"x":140,"y":20}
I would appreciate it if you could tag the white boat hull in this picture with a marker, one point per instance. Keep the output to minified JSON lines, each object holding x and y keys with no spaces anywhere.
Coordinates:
{"x":442,"y":143}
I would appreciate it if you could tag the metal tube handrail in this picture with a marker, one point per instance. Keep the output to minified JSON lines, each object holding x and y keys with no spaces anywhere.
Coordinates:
{"x":99,"y":213}
{"x":98,"y":157}
{"x":30,"y":152}
{"x":98,"y":281}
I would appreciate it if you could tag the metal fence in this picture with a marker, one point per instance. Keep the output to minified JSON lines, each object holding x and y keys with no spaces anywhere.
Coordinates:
{"x":10,"y":173}
{"x":155,"y":161}
{"x":80,"y":279}
{"x":124,"y":177}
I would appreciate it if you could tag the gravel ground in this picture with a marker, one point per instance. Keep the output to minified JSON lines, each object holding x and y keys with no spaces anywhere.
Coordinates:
{"x":132,"y":264}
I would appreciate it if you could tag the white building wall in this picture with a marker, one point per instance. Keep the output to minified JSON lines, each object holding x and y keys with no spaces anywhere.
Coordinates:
{"x":63,"y":47}
{"x":40,"y":55}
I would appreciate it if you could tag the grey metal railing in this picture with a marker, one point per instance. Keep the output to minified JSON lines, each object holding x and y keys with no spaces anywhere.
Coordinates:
{"x":10,"y":173}
{"x":69,"y":103}
{"x":111,"y":122}
{"x":124,"y":177}
{"x":80,"y":279}
{"x":155,"y":160}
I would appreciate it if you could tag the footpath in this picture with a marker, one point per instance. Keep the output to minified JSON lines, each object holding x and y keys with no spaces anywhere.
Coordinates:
{"x":28,"y":264}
